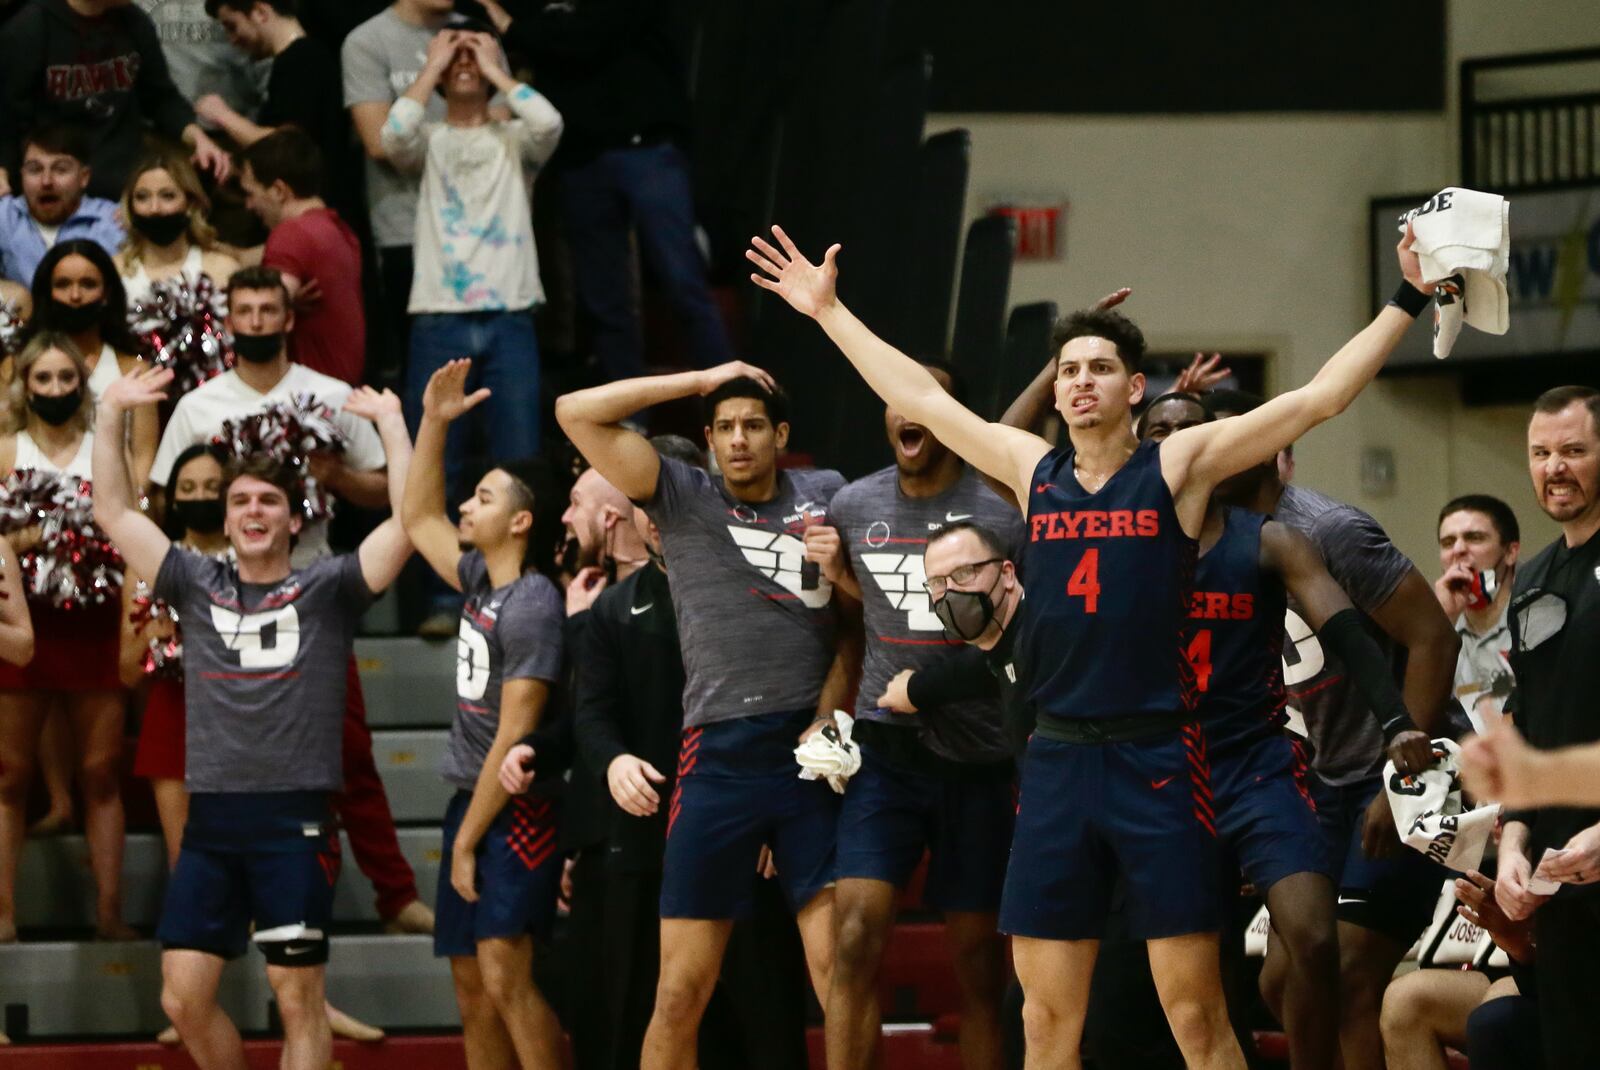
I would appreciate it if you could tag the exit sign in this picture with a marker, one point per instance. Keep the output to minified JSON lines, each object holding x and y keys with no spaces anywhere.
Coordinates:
{"x":1041,"y":229}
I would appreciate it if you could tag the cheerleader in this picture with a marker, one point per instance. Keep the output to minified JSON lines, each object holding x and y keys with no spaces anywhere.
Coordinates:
{"x":169,"y":237}
{"x":77,"y":291}
{"x":75,"y":657}
{"x":151,"y":646}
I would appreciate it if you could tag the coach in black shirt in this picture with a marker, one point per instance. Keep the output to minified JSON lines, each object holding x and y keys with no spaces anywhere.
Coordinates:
{"x":1555,"y":628}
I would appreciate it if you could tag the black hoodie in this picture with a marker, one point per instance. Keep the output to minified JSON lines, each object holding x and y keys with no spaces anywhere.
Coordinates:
{"x":105,"y":74}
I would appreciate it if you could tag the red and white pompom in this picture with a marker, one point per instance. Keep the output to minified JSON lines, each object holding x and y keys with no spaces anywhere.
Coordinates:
{"x":183,"y":326}
{"x":73,"y":563}
{"x":289,"y":432}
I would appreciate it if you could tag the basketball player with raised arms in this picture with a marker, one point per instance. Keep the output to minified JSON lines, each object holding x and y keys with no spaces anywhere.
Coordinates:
{"x":1114,"y":780}
{"x":765,"y":666}
{"x":265,"y":647}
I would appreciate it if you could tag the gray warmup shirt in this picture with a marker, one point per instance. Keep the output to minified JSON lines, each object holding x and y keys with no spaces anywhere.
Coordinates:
{"x":1346,"y":740}
{"x":754,"y":641}
{"x":264,"y":670}
{"x":507,"y":633}
{"x":885,"y":533}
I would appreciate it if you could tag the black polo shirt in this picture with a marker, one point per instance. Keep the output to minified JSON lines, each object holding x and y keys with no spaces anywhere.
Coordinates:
{"x":1555,"y":656}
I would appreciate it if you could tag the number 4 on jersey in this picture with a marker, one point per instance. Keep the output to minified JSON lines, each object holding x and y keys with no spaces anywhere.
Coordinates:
{"x":1085,"y":580}
{"x":1199,"y":655}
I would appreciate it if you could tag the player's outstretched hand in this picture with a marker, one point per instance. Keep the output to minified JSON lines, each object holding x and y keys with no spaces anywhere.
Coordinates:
{"x":896,"y":695}
{"x":1202,"y":374}
{"x":516,"y":769}
{"x":1411,"y":751}
{"x":446,"y":397}
{"x":370,"y":404}
{"x":808,"y":287}
{"x":632,"y":782}
{"x":144,"y":385}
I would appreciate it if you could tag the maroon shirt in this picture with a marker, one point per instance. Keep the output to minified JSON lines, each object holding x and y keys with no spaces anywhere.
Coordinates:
{"x":331,"y":335}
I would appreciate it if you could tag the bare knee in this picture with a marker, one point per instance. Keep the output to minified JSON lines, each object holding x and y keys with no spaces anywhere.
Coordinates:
{"x":978,"y":959}
{"x":298,"y":993}
{"x":100,"y":776}
{"x":1401,"y":1006}
{"x":1195,"y":1025}
{"x":16,"y":773}
{"x":503,"y":982}
{"x":681,"y":999}
{"x":858,"y":947}
{"x":185,"y":1005}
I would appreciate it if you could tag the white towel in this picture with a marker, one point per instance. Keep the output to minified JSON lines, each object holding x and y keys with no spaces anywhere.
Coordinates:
{"x":1432,"y":816}
{"x":829,"y":754}
{"x":1464,"y":244}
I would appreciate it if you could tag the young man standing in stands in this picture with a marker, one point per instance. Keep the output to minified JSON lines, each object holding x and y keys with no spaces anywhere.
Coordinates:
{"x":265,"y":652}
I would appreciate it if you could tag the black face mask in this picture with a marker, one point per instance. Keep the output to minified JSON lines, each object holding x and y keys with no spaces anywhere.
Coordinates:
{"x":56,"y":409}
{"x":202,"y":515}
{"x":74,"y":319}
{"x":966,"y":615}
{"x":258,"y":348}
{"x":163,"y":229}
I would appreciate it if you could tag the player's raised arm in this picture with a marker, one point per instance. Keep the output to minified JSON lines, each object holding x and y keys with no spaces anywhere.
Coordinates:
{"x":1198,"y":458}
{"x":1005,"y":453}
{"x":384,"y":552}
{"x":140,"y":540}
{"x":593,"y":418}
{"x":443,"y":401}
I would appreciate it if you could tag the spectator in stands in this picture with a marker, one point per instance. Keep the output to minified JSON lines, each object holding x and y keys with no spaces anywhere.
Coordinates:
{"x":611,"y":67}
{"x":260,"y":317}
{"x":314,"y":250}
{"x":199,"y":57}
{"x":1427,"y":1009}
{"x":47,"y":425}
{"x":97,"y":63}
{"x":78,"y":292}
{"x":53,"y":206}
{"x":1555,"y":655}
{"x":1478,"y":536}
{"x":303,"y":88}
{"x":380,"y":59}
{"x":152,"y":650}
{"x":477,"y":271}
{"x":169,"y":236}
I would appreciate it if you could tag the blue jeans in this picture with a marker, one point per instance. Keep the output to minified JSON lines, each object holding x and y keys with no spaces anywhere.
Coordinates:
{"x":505,"y":358}
{"x":645,"y":191}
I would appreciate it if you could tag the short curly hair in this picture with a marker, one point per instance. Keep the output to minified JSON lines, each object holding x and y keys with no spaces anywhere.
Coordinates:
{"x":1114,"y":327}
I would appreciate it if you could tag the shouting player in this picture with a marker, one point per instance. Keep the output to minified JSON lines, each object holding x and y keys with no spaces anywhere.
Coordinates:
{"x":1112,"y":528}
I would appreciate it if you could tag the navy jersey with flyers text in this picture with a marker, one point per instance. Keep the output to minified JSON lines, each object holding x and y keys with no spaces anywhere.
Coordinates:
{"x":1109,"y":576}
{"x":1236,"y":648}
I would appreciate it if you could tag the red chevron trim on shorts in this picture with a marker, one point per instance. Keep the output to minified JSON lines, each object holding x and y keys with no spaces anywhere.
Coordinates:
{"x":532,"y":836}
{"x":1194,"y":746}
{"x":688,"y":755}
{"x":329,"y":859}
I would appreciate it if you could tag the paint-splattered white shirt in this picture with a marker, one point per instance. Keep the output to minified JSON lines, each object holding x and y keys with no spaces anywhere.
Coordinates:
{"x":474,"y":241}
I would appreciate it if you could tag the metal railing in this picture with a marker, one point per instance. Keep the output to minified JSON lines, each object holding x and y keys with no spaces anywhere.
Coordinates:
{"x":1533,"y":142}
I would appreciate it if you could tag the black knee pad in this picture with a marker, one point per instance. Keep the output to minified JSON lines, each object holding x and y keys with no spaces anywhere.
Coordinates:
{"x":300,"y":951}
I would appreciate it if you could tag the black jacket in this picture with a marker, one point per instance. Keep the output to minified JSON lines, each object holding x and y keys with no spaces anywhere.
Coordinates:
{"x":629,"y":700}
{"x":611,"y":67}
{"x":107,"y":75}
{"x":971,"y":674}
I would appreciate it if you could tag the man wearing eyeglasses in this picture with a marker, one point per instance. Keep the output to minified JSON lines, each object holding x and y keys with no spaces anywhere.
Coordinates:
{"x":1555,"y":657}
{"x":941,"y":784}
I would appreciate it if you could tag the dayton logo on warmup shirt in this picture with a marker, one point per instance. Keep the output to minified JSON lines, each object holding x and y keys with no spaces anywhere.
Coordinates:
{"x":778,"y":556}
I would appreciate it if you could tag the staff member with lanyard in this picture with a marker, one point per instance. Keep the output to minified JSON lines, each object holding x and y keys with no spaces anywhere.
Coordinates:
{"x":1555,"y":656}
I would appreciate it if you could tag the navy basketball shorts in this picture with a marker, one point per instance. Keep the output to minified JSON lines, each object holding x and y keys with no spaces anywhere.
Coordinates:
{"x":285,"y":887}
{"x":891,"y":814}
{"x":738,"y":790}
{"x":1394,"y":896}
{"x":1265,"y":814}
{"x":1091,"y":811}
{"x":518,"y":877}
